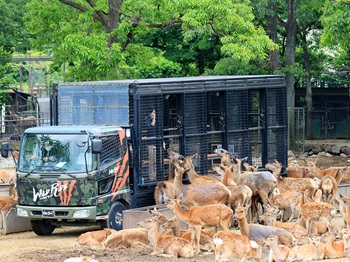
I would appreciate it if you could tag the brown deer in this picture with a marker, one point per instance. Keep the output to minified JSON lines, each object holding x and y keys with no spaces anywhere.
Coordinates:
{"x":289,"y":183}
{"x":203,"y":190}
{"x":307,"y":252}
{"x":93,"y":238}
{"x":333,"y":249}
{"x":277,"y":252}
{"x":261,"y":183}
{"x":346,"y":239}
{"x":259,"y":233}
{"x":270,"y":219}
{"x":344,"y":208}
{"x":316,"y":211}
{"x":6,"y":203}
{"x":331,"y":171}
{"x":166,"y":245}
{"x":241,"y":195}
{"x":5,"y":176}
{"x":230,"y":245}
{"x":288,"y":199}
{"x":206,"y":240}
{"x":329,"y":186}
{"x":127,"y":238}
{"x":212,"y":215}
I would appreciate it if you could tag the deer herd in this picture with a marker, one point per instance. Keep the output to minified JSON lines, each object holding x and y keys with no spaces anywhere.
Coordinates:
{"x":248,"y":214}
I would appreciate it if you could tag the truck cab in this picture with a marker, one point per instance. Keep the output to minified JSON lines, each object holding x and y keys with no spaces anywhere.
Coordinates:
{"x":71,"y":174}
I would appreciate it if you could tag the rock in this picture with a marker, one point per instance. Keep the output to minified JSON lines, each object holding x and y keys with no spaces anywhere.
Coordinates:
{"x":328,"y":155}
{"x":335,"y":149}
{"x":343,"y":155}
{"x":345,"y":150}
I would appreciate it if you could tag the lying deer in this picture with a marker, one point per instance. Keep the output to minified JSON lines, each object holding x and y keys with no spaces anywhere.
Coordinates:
{"x":333,"y":249}
{"x":259,"y":233}
{"x":307,"y":252}
{"x":166,"y":245}
{"x":127,"y":238}
{"x":277,"y":252}
{"x":270,"y":219}
{"x":93,"y":238}
{"x":212,"y":215}
{"x":229,"y":245}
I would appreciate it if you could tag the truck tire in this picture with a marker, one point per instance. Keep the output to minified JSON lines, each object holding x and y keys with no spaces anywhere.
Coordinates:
{"x":115,"y":216}
{"x":42,"y":227}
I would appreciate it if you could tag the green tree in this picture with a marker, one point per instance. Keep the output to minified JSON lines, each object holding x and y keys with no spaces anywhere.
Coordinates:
{"x":13,"y":38}
{"x":106,"y":39}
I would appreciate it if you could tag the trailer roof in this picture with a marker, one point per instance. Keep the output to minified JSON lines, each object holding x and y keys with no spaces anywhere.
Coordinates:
{"x":170,"y":80}
{"x":93,"y":129}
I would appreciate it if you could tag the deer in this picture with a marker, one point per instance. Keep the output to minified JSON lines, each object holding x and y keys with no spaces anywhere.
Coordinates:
{"x":346,"y":239}
{"x":259,"y":233}
{"x":5,"y":176}
{"x":212,"y":215}
{"x":93,"y":238}
{"x":270,"y":219}
{"x":288,"y":199}
{"x":241,"y":195}
{"x":333,"y":249}
{"x":261,"y":183}
{"x":316,"y":211}
{"x":298,"y":172}
{"x":277,"y":252}
{"x":127,"y":238}
{"x":230,"y":245}
{"x":203,"y":190}
{"x":289,"y":183}
{"x":307,"y":252}
{"x":165,"y":189}
{"x":206,"y":240}
{"x":6,"y":203}
{"x":331,"y":171}
{"x":344,"y":208}
{"x":329,"y":186}
{"x":165,"y":245}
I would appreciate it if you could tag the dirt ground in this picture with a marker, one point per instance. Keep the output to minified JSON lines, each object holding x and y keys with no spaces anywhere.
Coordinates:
{"x":29,"y":247}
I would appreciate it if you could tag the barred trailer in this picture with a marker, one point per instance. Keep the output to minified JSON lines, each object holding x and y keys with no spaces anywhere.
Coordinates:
{"x":122,"y":130}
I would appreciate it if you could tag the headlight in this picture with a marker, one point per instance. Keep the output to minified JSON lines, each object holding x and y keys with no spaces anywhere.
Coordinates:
{"x":21,"y":212}
{"x":81,"y":213}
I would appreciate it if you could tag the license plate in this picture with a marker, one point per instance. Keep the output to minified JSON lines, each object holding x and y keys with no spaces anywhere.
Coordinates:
{"x":48,"y":213}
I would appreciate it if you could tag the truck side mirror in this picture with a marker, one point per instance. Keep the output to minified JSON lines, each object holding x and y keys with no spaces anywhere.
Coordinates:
{"x":96,"y":146}
{"x":5,"y":150}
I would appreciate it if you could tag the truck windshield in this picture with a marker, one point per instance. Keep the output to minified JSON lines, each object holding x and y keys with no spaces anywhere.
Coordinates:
{"x":54,"y":153}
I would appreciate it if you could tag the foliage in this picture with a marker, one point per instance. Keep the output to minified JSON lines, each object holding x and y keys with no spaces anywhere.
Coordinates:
{"x":336,"y":22}
{"x":97,"y":41}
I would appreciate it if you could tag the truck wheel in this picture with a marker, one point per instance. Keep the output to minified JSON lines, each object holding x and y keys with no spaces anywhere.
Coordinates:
{"x":42,"y":227}
{"x":115,"y":216}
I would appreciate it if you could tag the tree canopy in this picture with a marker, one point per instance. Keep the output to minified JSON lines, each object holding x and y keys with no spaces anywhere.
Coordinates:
{"x":106,"y":39}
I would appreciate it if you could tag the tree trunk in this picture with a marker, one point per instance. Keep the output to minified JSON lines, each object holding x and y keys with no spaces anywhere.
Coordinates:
{"x":272,"y":32}
{"x":290,"y":61}
{"x":308,"y":96}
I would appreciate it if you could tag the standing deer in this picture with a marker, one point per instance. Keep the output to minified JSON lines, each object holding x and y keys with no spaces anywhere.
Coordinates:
{"x":196,"y":217}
